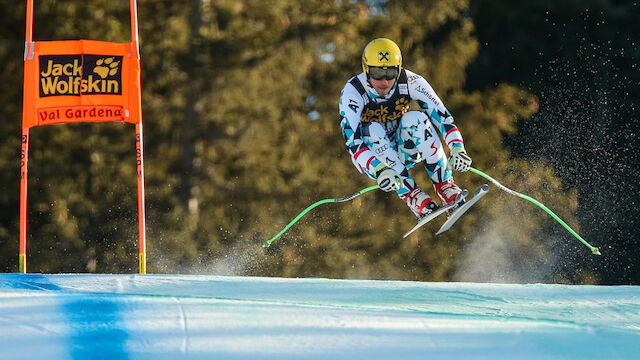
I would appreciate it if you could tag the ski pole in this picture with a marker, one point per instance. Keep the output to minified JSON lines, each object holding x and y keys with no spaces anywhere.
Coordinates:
{"x":594,"y":250}
{"x":346,"y":198}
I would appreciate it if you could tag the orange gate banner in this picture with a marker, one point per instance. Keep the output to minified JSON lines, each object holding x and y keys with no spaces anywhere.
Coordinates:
{"x":81,"y":81}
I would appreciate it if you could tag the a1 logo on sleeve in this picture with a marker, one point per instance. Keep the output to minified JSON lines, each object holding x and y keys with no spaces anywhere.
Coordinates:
{"x":77,"y":75}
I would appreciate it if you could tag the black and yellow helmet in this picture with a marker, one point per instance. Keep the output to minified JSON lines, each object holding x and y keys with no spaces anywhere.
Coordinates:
{"x":381,"y":53}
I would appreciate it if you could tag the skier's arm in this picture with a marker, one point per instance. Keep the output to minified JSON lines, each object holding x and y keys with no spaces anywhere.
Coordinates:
{"x":351,"y":105}
{"x":423,"y":94}
{"x":432,"y":106}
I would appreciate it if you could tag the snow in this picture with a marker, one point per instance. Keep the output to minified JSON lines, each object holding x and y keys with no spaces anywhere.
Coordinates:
{"x":87,"y":316}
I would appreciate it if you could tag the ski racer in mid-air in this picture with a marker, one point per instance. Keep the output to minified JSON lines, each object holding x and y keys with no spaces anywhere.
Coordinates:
{"x":386,"y":139}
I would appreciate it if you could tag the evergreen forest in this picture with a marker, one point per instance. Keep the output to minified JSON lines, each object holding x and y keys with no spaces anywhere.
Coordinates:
{"x":240,"y":109}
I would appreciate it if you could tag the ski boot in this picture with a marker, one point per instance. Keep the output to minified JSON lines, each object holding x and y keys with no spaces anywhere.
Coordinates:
{"x":448,"y":191}
{"x":420,"y":203}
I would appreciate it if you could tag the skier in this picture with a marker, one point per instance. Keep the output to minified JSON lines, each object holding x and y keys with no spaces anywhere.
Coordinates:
{"x":386,"y":139}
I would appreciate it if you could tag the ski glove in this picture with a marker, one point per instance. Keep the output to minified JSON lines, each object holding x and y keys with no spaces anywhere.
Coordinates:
{"x":460,"y":160}
{"x":388,"y":179}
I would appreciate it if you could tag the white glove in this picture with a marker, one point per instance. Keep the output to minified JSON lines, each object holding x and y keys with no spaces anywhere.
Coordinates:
{"x":460,"y":160}
{"x":388,"y":179}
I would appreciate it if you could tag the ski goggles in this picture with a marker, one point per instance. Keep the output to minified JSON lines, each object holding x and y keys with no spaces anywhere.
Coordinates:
{"x":379,"y":73}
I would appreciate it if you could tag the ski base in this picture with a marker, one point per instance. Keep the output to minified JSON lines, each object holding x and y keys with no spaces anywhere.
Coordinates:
{"x":481,"y":191}
{"x":441,"y":210}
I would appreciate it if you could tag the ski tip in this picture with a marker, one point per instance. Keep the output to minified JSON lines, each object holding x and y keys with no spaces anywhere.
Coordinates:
{"x":596,"y":251}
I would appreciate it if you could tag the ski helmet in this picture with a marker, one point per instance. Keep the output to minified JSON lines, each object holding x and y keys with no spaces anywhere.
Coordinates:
{"x":382,"y":53}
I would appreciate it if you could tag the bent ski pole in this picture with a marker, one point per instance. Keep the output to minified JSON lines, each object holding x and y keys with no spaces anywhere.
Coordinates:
{"x":594,"y":250}
{"x":346,"y":198}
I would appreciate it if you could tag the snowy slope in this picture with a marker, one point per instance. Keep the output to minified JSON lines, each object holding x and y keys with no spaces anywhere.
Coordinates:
{"x":218,"y":317}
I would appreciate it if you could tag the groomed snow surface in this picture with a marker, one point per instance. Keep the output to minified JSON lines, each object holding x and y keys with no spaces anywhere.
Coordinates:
{"x":223,"y":317}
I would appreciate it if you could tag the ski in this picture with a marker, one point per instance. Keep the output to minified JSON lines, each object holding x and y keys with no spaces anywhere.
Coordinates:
{"x":481,"y":191}
{"x":441,"y":210}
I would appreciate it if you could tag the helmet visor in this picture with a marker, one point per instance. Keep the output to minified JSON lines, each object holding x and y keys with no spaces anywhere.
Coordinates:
{"x":379,"y":73}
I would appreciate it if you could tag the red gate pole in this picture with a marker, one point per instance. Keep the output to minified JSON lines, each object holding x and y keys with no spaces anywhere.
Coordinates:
{"x":142,"y":234}
{"x":24,"y":159}
{"x":24,"y":154}
{"x":134,"y":25}
{"x":141,"y":208}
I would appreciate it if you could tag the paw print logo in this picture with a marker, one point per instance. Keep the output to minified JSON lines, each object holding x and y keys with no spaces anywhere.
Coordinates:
{"x":402,"y":104}
{"x":106,"y":67}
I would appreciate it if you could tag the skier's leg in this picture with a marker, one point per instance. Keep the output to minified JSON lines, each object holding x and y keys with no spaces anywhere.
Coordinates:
{"x":404,"y":159}
{"x":386,"y":150}
{"x":419,"y":141}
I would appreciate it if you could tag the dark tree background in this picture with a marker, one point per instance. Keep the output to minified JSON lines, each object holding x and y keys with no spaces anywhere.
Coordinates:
{"x":242,"y":133}
{"x":581,"y":58}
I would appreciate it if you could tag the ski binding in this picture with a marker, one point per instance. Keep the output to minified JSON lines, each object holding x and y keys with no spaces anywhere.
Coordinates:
{"x":441,"y":210}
